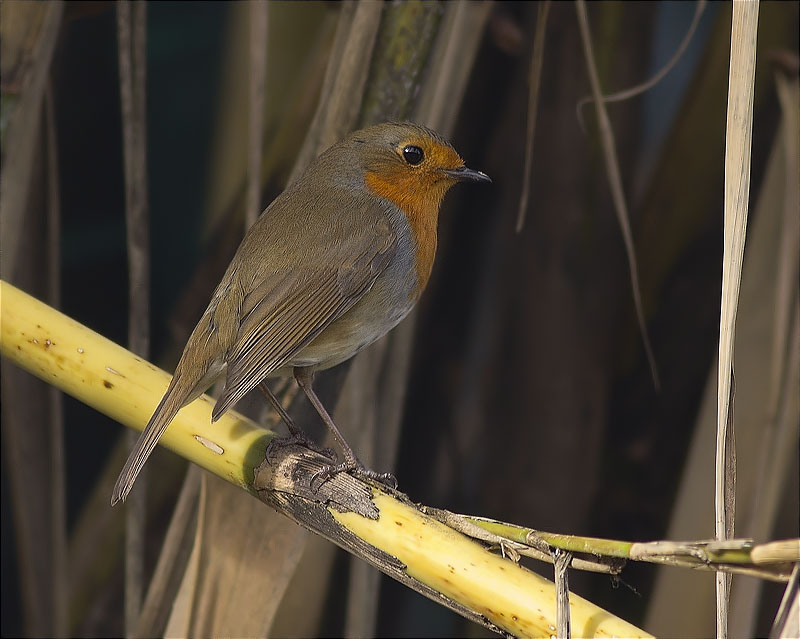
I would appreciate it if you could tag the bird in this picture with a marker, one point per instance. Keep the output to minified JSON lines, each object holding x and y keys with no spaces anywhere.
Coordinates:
{"x":335,"y":262}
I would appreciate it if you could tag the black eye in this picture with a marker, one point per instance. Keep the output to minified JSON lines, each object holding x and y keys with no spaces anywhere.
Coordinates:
{"x":413,"y":154}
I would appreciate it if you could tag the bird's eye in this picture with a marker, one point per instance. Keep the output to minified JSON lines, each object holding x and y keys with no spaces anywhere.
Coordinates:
{"x":413,"y":154}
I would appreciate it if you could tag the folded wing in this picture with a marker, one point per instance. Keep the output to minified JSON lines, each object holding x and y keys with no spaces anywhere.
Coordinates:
{"x":287,"y":310}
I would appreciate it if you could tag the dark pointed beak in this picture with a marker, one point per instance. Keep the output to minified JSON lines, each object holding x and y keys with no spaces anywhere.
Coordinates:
{"x":467,"y":175}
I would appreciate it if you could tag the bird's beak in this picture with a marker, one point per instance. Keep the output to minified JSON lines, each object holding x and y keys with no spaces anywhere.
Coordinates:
{"x":464,"y":174}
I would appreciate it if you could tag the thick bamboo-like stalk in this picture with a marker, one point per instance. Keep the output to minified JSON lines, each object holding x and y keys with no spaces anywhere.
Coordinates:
{"x":510,"y":596}
{"x":392,"y":533}
{"x":123,"y":386}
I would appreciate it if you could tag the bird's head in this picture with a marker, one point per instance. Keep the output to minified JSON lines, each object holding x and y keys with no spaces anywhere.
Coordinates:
{"x":409,"y":165}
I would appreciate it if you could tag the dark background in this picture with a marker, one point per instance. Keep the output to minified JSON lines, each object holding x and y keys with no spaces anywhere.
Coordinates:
{"x":529,"y":398}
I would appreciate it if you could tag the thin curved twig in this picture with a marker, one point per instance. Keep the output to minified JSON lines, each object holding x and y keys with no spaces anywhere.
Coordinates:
{"x":772,"y":560}
{"x":535,"y":80}
{"x":615,"y":183}
{"x":648,"y":84}
{"x":259,"y":17}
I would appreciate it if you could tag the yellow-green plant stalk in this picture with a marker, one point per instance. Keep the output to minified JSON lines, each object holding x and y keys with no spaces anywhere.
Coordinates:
{"x":772,"y":560}
{"x":394,"y":536}
{"x":119,"y":384}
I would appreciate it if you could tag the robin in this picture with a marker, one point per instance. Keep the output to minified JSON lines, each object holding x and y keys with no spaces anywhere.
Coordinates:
{"x":333,"y":264}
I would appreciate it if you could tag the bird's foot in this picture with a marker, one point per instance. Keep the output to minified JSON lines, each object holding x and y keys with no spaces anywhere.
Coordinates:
{"x":299,"y":439}
{"x":354,"y":467}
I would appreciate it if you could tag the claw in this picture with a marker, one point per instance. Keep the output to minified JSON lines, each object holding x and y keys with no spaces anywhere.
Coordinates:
{"x":301,"y":440}
{"x":388,"y":480}
{"x":355,"y":468}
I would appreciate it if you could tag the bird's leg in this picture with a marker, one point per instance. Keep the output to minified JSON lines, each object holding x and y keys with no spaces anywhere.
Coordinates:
{"x":305,"y":378}
{"x":297,"y":436}
{"x":276,"y":404}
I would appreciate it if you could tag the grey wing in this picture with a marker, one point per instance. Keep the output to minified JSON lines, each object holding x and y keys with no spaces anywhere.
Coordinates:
{"x":285,"y":312}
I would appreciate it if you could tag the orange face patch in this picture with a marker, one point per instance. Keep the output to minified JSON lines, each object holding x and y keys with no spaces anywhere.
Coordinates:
{"x":437,"y":155}
{"x":418,"y":191}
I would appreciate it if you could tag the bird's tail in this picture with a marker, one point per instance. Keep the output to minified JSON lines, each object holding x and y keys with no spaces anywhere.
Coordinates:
{"x":197,"y":369}
{"x":170,"y":404}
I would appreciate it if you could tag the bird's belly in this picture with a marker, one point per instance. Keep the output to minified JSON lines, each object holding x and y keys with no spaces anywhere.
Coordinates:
{"x":380,"y":309}
{"x":355,"y":330}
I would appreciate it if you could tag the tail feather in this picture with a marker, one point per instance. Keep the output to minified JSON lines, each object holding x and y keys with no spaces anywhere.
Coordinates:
{"x":165,"y":412}
{"x":200,"y":364}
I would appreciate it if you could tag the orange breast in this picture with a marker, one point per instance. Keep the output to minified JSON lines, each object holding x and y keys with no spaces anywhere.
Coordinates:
{"x":420,"y":200}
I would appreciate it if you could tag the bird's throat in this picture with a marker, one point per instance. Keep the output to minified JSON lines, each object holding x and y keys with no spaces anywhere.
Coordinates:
{"x":420,"y":202}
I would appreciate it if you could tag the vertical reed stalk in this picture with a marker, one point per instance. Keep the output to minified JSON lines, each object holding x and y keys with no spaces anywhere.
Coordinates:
{"x":738,"y":142}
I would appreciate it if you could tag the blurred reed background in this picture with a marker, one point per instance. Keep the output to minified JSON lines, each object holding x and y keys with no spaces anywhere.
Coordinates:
{"x":520,"y":390}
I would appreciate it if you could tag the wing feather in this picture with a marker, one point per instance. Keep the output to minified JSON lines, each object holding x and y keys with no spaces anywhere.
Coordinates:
{"x":285,"y":313}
